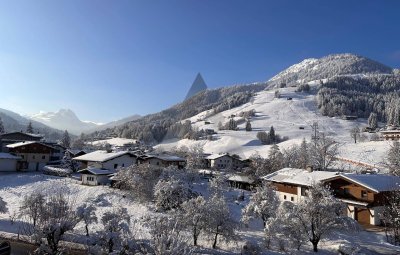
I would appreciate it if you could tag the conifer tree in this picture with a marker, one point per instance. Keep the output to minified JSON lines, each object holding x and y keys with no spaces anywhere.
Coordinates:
{"x":29,"y":129}
{"x":1,"y":127}
{"x":66,"y":140}
{"x":248,"y":126}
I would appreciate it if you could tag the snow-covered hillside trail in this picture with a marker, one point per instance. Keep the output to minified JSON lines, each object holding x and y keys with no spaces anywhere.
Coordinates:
{"x":291,"y":115}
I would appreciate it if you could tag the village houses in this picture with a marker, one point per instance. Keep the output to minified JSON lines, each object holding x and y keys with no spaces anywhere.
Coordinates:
{"x":363,"y":194}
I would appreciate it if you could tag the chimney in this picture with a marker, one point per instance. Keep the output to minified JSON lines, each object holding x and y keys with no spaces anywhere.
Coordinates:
{"x":309,"y":168}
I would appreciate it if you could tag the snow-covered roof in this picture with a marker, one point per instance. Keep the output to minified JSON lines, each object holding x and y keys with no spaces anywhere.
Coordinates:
{"x":299,"y":176}
{"x":96,"y":171}
{"x":101,"y":156}
{"x":390,"y":131}
{"x":117,"y":141}
{"x":15,"y":145}
{"x":8,"y":156}
{"x":375,"y":182}
{"x":19,"y":144}
{"x":241,"y":178}
{"x":215,"y":156}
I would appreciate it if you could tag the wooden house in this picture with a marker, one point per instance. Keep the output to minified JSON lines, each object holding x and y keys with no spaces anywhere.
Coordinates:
{"x":107,"y":159}
{"x":391,"y":135}
{"x":242,"y":182}
{"x":34,"y":155}
{"x":224,"y":161}
{"x":163,"y":160}
{"x":363,"y":194}
{"x":15,"y":137}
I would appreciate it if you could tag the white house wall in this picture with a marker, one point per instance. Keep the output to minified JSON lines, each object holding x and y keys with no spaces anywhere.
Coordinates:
{"x":376,"y":215}
{"x":122,"y":161}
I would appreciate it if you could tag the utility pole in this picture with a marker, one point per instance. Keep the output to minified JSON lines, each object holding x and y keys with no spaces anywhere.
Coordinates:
{"x":315,"y":134}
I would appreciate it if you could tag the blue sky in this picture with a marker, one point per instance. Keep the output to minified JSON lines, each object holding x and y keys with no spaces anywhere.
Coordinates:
{"x":109,"y":59}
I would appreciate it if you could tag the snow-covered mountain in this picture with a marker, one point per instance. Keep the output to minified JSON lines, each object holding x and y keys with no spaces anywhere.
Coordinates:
{"x":326,"y":67}
{"x":14,"y":122}
{"x":198,"y":85}
{"x":66,"y":119}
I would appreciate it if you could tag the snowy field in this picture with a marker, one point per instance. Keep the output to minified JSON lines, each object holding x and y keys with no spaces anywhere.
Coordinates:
{"x":14,"y":186}
{"x":288,"y":117}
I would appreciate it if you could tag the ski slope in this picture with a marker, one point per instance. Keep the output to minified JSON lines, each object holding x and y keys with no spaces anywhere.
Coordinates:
{"x":287,"y":117}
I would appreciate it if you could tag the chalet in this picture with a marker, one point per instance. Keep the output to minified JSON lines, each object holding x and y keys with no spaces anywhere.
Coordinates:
{"x":291,"y":183}
{"x":391,"y":135}
{"x":224,"y":161}
{"x":94,"y":176}
{"x":364,"y":194}
{"x":15,"y":137}
{"x":242,"y":182}
{"x":162,"y":160}
{"x":107,"y":159}
{"x":34,"y":155}
{"x":8,"y":162}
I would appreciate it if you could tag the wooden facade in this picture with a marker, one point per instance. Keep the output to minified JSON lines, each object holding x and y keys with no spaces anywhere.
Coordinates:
{"x":34,"y":155}
{"x":364,"y":195}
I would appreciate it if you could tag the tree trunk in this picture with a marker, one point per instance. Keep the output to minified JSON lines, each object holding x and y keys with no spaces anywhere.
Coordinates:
{"x":195,"y":236}
{"x":315,"y":245}
{"x":87,"y":230}
{"x":215,"y":241}
{"x":110,"y":245}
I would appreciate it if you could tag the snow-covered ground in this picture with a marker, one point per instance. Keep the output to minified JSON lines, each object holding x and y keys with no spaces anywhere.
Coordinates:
{"x":117,"y":141}
{"x":288,"y":117}
{"x":14,"y":186}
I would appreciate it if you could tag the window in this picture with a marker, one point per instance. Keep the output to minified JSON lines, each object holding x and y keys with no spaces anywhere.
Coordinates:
{"x":292,"y":199}
{"x":43,"y":157}
{"x":284,"y":197}
{"x":346,"y":191}
{"x":115,"y":166}
{"x":90,"y":178}
{"x":33,"y":157}
{"x":364,"y":194}
{"x":22,"y":156}
{"x":303,"y":191}
{"x":123,"y":165}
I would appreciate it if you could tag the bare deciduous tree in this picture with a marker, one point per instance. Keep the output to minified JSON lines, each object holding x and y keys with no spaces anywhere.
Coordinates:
{"x":315,"y":216}
{"x":263,"y":205}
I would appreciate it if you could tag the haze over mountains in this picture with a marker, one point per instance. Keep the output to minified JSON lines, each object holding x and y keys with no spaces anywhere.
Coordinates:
{"x":66,"y":119}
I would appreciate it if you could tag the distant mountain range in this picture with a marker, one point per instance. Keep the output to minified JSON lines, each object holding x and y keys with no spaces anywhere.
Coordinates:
{"x":66,"y":119}
{"x":14,"y":122}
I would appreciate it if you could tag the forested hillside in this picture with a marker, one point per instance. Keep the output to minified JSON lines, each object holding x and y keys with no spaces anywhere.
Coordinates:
{"x":327,"y":67}
{"x":154,"y":128}
{"x":352,"y":95}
